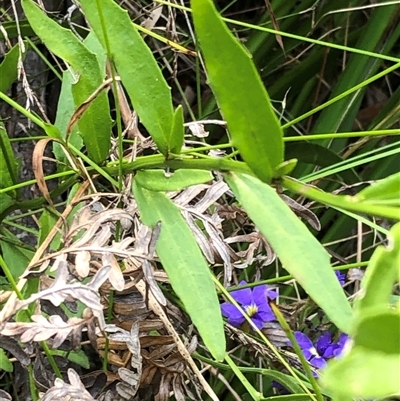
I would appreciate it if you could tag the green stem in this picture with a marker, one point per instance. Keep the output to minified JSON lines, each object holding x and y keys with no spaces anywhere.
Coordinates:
{"x":298,"y":351}
{"x":340,"y":201}
{"x":317,"y":137}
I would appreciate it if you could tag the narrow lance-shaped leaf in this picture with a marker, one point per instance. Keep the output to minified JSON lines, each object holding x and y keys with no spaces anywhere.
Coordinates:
{"x":298,"y":250}
{"x":175,"y":139}
{"x":139,"y":71}
{"x":8,"y":163}
{"x":66,"y":106}
{"x":9,"y":68}
{"x":95,"y":123}
{"x":239,"y":91}
{"x":185,"y":265}
{"x":382,"y":272}
{"x":383,"y":191}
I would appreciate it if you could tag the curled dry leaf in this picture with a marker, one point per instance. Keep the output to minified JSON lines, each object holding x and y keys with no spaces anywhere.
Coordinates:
{"x":82,"y":263}
{"x":259,"y":250}
{"x":42,"y":329}
{"x":60,"y":291}
{"x":129,"y":385}
{"x":115,"y":277}
{"x":4,"y":396}
{"x":197,"y":129}
{"x":12,"y":346}
{"x":152,"y":19}
{"x":37,"y":167}
{"x":62,"y":391}
{"x":201,"y":239}
{"x":302,"y":212}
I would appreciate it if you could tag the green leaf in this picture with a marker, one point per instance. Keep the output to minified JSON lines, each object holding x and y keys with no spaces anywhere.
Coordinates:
{"x":284,"y":168}
{"x":382,"y":191}
{"x":16,"y":258}
{"x":286,"y":380}
{"x":47,"y":221}
{"x":9,"y":68}
{"x":158,"y":180}
{"x":95,"y":123}
{"x":317,"y":155}
{"x":5,"y":363}
{"x":185,"y":265}
{"x":66,"y":105}
{"x":5,"y":202}
{"x":378,"y":329}
{"x":381,"y":274}
{"x":371,"y":368}
{"x":177,"y":132}
{"x":78,"y":357}
{"x":141,"y":76}
{"x":346,"y":202}
{"x":298,"y":250}
{"x":65,"y":110}
{"x":239,"y":91}
{"x":8,"y":163}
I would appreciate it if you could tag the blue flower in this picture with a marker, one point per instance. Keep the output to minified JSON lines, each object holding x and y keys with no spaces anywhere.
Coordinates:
{"x":341,"y":277}
{"x":323,"y":350}
{"x":253,"y":302}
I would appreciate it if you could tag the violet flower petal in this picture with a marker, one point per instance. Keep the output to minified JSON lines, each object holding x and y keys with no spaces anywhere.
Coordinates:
{"x":228,"y":310}
{"x":330,"y":352}
{"x":258,"y":321}
{"x":265,"y":313}
{"x":340,"y":344}
{"x":323,"y":342}
{"x":271,"y":294}
{"x":341,"y":277}
{"x":243,"y":297}
{"x":318,"y":362}
{"x":259,"y":294}
{"x":233,"y":314}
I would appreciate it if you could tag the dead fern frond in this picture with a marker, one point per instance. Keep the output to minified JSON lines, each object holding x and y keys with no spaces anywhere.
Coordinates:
{"x":61,"y":391}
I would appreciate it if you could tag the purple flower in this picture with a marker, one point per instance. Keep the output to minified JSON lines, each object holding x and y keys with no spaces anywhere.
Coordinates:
{"x":309,"y":351}
{"x":323,"y":350}
{"x":253,"y":302}
{"x":341,"y":277}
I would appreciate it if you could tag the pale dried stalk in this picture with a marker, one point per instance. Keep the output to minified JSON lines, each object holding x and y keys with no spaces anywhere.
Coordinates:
{"x":159,"y":311}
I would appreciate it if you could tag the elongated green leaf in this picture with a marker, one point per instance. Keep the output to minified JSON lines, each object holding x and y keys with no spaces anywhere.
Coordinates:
{"x":383,"y":190}
{"x":342,"y":201}
{"x":240,"y":93}
{"x":298,"y":250}
{"x":158,"y":180}
{"x":8,"y":68}
{"x":176,"y":137}
{"x":382,"y":272}
{"x":185,"y":265}
{"x":65,"y":110}
{"x":95,"y":123}
{"x":8,"y":164}
{"x":66,"y":105}
{"x":138,"y":69}
{"x":317,"y":155}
